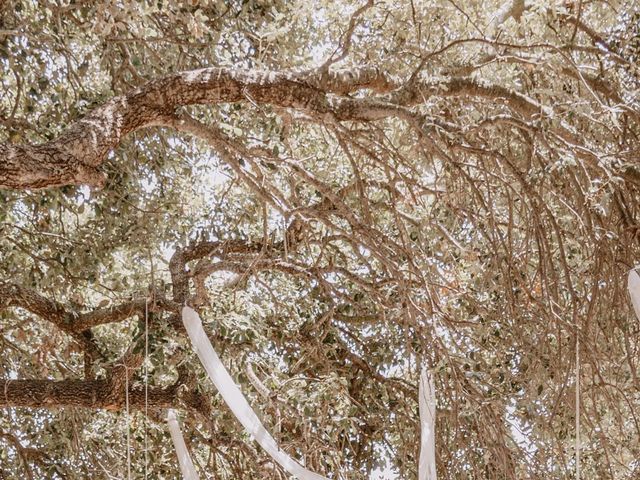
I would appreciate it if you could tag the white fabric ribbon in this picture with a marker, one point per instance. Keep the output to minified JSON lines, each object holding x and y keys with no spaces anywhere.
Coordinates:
{"x":634,"y":290}
{"x":427,"y":403}
{"x":235,"y":399}
{"x":184,"y":459}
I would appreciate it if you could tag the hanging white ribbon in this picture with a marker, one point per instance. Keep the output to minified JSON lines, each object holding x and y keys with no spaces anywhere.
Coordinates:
{"x":235,"y":399}
{"x":184,"y":459}
{"x":427,"y":404}
{"x":634,"y":290}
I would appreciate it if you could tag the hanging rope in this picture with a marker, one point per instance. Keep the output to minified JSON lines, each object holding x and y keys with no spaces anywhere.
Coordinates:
{"x":126,"y":402}
{"x":146,"y":388}
{"x":577,"y":405}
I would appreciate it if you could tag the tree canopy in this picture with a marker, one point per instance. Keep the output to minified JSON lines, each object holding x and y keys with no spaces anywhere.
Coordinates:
{"x":344,"y":191}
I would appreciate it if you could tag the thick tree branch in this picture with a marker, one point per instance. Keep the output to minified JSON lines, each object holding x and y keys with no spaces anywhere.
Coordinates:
{"x":120,"y":312}
{"x":197,"y":251}
{"x":76,"y":155}
{"x":97,"y":394}
{"x":12,"y":295}
{"x":77,"y":325}
{"x":70,"y":321}
{"x":345,"y":44}
{"x":108,"y":394}
{"x":418,"y":91}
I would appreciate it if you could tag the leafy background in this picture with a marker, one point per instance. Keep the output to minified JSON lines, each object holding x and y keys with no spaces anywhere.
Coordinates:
{"x":481,"y":254}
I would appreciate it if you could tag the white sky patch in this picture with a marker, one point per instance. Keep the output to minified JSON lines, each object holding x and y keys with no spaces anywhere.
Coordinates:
{"x":85,"y":191}
{"x":519,"y":430}
{"x":386,"y":473}
{"x":149,"y":183}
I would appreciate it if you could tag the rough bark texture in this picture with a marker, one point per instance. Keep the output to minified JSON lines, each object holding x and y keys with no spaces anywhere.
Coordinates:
{"x":72,"y":321}
{"x":76,"y":155}
{"x":97,"y":394}
{"x":108,"y":393}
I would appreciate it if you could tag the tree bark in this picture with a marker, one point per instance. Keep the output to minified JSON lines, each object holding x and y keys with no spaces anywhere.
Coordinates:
{"x":71,"y":321}
{"x":95,"y":394}
{"x":76,"y":155}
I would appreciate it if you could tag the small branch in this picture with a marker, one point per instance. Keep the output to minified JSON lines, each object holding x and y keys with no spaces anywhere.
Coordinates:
{"x":595,"y":37}
{"x":123,"y":311}
{"x":511,"y":8}
{"x":345,"y":44}
{"x":25,"y":453}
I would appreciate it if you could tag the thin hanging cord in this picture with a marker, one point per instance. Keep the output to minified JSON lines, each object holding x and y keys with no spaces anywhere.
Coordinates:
{"x":577,"y":406}
{"x":126,"y":400}
{"x":146,"y":368}
{"x":146,"y":388}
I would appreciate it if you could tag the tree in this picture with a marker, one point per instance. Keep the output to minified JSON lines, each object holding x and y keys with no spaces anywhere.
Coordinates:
{"x":345,"y":191}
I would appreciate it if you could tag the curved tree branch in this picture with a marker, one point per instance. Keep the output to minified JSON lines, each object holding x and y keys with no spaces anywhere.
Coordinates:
{"x":69,"y":320}
{"x":76,"y":155}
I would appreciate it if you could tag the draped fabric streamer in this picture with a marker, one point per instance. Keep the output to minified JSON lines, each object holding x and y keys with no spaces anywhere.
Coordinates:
{"x":427,"y":402}
{"x":634,"y":291}
{"x":235,"y":399}
{"x":184,"y":459}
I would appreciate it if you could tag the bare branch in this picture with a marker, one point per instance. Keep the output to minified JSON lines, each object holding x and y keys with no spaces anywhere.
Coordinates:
{"x":345,"y":44}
